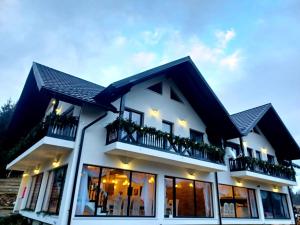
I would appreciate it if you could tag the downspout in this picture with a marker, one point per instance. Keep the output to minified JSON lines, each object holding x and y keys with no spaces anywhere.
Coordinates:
{"x":78,"y":164}
{"x":218,"y":197}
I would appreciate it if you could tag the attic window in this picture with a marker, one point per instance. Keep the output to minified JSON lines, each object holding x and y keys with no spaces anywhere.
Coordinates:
{"x":255,"y":130}
{"x":174,"y":96}
{"x":156,"y":88}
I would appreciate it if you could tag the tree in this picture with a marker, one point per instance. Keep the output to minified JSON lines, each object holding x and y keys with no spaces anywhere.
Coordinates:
{"x":6,"y":112}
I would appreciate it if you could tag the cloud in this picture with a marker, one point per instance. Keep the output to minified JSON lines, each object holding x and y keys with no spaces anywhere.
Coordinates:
{"x":231,"y":61}
{"x":224,"y":37}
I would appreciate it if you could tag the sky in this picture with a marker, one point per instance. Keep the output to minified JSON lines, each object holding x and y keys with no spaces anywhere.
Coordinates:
{"x":248,"y":51}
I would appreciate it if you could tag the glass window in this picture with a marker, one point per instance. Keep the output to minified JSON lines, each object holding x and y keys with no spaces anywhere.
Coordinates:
{"x":34,"y":191}
{"x":133,"y":116}
{"x":156,"y":88}
{"x":258,"y":154}
{"x":271,"y":159}
{"x":53,"y":195}
{"x":89,"y":183}
{"x":196,"y":136}
{"x":167,"y":127}
{"x":193,"y":198}
{"x":237,"y":202}
{"x":250,"y":152}
{"x":275,"y":205}
{"x":121,"y":193}
{"x":175,"y":96}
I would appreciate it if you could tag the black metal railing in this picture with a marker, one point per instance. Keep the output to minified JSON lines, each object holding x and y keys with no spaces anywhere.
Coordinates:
{"x":262,"y":167}
{"x":62,"y":127}
{"x":161,"y":141}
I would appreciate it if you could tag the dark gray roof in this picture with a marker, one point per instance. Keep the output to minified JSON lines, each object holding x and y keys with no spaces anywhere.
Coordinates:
{"x":247,"y":120}
{"x":65,"y":84}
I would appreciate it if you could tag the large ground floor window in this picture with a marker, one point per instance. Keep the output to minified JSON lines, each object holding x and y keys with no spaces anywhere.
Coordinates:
{"x":54,"y":190}
{"x":187,"y":198}
{"x":275,"y":205}
{"x":115,"y":192}
{"x":34,"y":191}
{"x":237,"y":202}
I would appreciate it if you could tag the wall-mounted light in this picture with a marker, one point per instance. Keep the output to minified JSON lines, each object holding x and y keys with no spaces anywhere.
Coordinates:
{"x":58,"y":111}
{"x":53,"y":102}
{"x":154,"y":112}
{"x":275,"y":188}
{"x":182,"y":122}
{"x":55,"y":163}
{"x":36,"y":170}
{"x":25,"y":174}
{"x":245,"y":144}
{"x":239,"y":183}
{"x":264,"y":150}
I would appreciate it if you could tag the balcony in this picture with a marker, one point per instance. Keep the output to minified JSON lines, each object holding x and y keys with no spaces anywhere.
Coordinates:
{"x":50,"y":138}
{"x":128,"y":139}
{"x":263,"y":171}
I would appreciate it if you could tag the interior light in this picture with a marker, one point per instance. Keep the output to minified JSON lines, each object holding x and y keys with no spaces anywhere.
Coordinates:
{"x":25,"y":174}
{"x":58,"y":111}
{"x":191,"y":185}
{"x":55,"y":163}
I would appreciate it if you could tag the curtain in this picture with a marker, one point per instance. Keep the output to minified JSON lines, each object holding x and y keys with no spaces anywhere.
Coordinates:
{"x":83,"y":196}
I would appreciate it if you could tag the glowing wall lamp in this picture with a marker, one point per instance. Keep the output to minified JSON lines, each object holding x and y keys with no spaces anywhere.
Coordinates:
{"x":182,"y":122}
{"x":239,"y":183}
{"x":264,"y":150}
{"x":154,"y":112}
{"x":36,"y":170}
{"x":55,"y":163}
{"x":275,"y":188}
{"x":245,"y":144}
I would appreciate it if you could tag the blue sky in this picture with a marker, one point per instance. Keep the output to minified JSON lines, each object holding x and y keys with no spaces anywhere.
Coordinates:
{"x":248,"y":51}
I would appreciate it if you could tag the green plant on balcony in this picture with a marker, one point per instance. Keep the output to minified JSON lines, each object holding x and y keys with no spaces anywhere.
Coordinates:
{"x":130,"y":127}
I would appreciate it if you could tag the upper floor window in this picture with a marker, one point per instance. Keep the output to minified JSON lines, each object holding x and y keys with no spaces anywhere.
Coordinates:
{"x":250,"y":152}
{"x":167,"y":127}
{"x":275,"y":205}
{"x":34,"y":191}
{"x":237,"y":202}
{"x":115,"y":192}
{"x":174,"y":96}
{"x":187,"y":198}
{"x":258,"y":155}
{"x":54,"y":190}
{"x":133,"y":116}
{"x":271,"y":159}
{"x":196,"y":136}
{"x":156,"y":88}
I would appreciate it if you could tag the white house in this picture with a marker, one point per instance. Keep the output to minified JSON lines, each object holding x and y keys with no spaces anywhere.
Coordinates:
{"x":156,"y":148}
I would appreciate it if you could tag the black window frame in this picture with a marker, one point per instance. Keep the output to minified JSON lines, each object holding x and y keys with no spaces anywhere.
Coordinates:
{"x":197,"y":132}
{"x":130,"y":187}
{"x":170,"y":124}
{"x":64,"y":167}
{"x":258,"y":155}
{"x":250,"y":152}
{"x":286,"y":201}
{"x":130,"y":111}
{"x":154,"y":86}
{"x":194,"y":189}
{"x":30,"y":202}
{"x":174,"y":96}
{"x":271,"y":158}
{"x":234,"y":201}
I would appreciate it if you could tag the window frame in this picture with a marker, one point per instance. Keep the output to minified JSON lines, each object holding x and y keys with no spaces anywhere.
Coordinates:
{"x":250,"y":152}
{"x":169,"y":123}
{"x":257,"y":152}
{"x":33,"y":187}
{"x":234,"y":201}
{"x":130,"y":110}
{"x":65,"y":168}
{"x":130,"y":180}
{"x":194,"y":190}
{"x":160,"y":92}
{"x":196,"y":132}
{"x":271,"y":158}
{"x":286,"y":201}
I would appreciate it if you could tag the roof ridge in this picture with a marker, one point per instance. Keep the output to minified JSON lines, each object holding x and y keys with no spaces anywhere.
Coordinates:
{"x":256,"y":107}
{"x":73,"y":76}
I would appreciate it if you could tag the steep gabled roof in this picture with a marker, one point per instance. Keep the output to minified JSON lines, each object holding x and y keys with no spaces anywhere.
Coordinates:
{"x":271,"y":125}
{"x":65,"y":84}
{"x":247,"y":120}
{"x":193,"y":86}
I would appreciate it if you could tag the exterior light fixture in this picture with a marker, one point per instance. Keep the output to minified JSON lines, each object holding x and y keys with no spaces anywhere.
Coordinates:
{"x":154,"y":112}
{"x":36,"y":170}
{"x":275,"y":188}
{"x":53,"y":102}
{"x":58,"y":111}
{"x":182,"y":122}
{"x":245,"y":144}
{"x":55,"y":163}
{"x":264,"y":150}
{"x":239,"y":183}
{"x":25,"y":174}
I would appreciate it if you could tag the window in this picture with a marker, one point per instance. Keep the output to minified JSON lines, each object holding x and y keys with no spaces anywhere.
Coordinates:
{"x":133,"y":116}
{"x":275,"y":205}
{"x":193,"y":198}
{"x":237,"y":202}
{"x":167,"y":127}
{"x":34,"y":191}
{"x":156,"y":88}
{"x":117,"y":193}
{"x":196,"y":136}
{"x":271,"y":159}
{"x":250,"y":152}
{"x":54,"y":190}
{"x":174,"y":96}
{"x":258,"y":154}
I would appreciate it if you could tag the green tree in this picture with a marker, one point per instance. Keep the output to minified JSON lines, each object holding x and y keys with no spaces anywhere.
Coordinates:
{"x":6,"y":112}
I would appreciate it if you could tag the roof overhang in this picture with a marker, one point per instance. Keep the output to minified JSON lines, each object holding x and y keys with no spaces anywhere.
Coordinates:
{"x":194,"y":87}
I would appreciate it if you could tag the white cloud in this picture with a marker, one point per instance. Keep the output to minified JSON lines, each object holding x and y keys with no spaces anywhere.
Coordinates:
{"x":231,"y":61}
{"x":224,"y":37}
{"x":143,"y":59}
{"x":152,"y":37}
